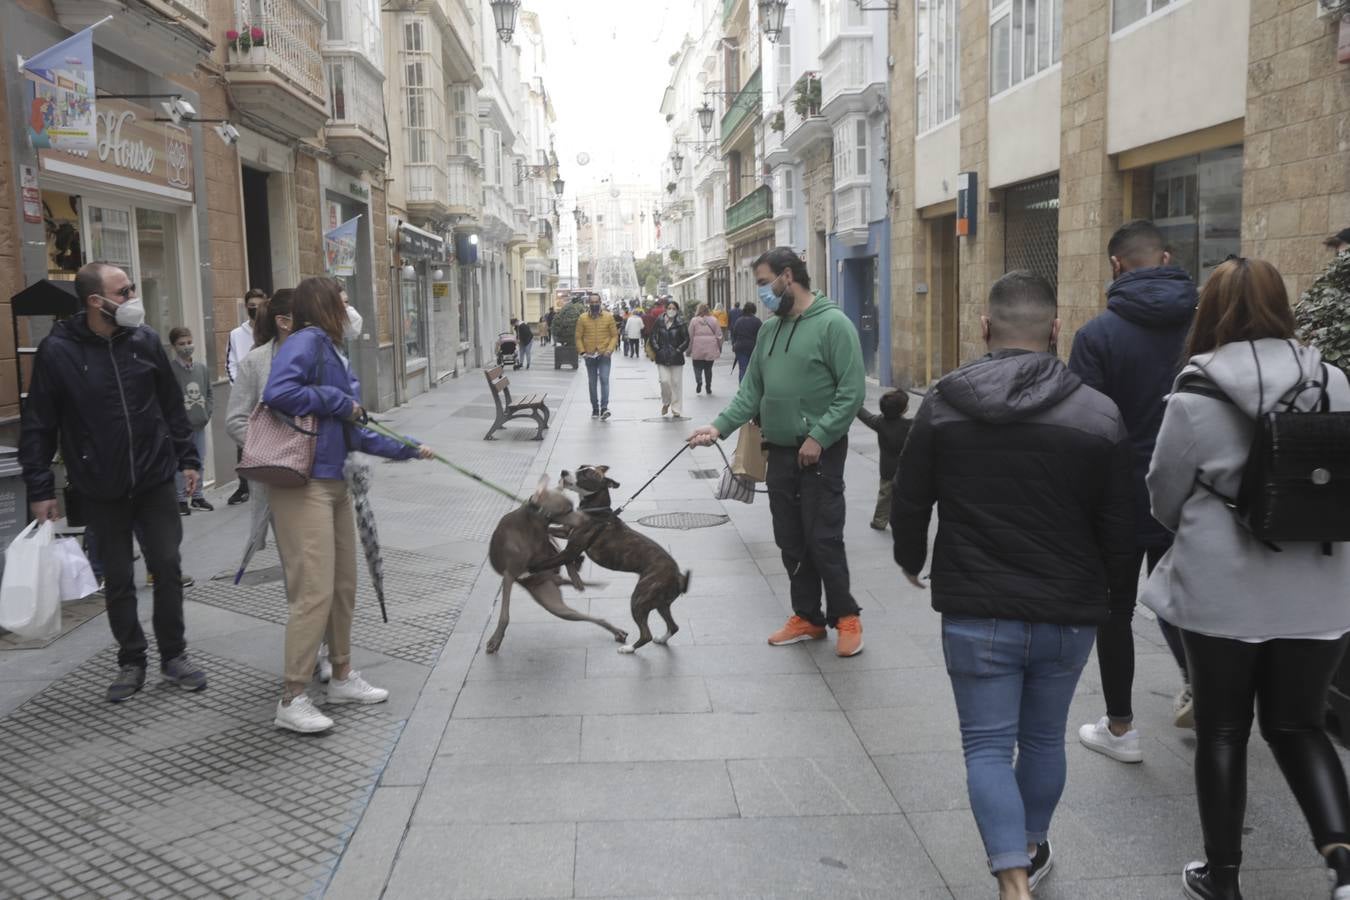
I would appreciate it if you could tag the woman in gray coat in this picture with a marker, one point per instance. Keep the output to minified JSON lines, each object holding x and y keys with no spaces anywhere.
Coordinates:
{"x":1260,"y":627}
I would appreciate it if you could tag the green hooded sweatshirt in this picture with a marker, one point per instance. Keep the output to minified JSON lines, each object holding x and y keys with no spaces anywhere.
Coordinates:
{"x":805,"y":378}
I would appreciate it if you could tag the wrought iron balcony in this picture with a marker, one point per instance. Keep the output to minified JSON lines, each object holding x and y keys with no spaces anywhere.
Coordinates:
{"x":280,"y":80}
{"x":745,"y":104}
{"x":755,"y":206}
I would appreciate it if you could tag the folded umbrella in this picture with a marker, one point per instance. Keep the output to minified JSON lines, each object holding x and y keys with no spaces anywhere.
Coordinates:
{"x":358,"y":485}
{"x":257,"y":538}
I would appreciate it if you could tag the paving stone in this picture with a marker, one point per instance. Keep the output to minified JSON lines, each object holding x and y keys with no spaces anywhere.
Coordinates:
{"x":716,"y":736}
{"x":825,"y":856}
{"x":662,"y":662}
{"x":476,"y":742}
{"x":529,"y":662}
{"x":576,"y":792}
{"x":769,"y":693}
{"x":808,"y":787}
{"x":582,"y":696}
{"x":487,"y":861}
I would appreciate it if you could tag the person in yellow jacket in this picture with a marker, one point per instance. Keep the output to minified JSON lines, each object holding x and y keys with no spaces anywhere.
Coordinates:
{"x":597,"y":336}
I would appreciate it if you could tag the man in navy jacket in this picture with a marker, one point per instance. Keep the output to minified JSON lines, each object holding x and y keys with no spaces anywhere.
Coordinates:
{"x":102,"y":386}
{"x":1131,"y":353}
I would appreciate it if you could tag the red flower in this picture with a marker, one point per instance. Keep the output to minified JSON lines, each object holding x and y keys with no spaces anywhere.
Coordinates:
{"x":257,"y":34}
{"x":232,"y":35}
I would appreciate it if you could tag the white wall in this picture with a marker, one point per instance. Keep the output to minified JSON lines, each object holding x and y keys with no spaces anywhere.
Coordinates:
{"x":937,"y":159}
{"x":1178,"y":72}
{"x":1024,"y":130}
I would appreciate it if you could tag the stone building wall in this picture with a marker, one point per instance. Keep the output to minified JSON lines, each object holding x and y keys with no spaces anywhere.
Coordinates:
{"x":1296,"y":164}
{"x":309,"y":214}
{"x":908,"y":253}
{"x":11,"y":267}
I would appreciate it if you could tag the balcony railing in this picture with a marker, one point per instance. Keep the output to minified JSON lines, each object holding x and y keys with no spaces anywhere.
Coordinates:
{"x":712,"y":249}
{"x":427,"y":183}
{"x":292,"y":32}
{"x":850,"y":209}
{"x":753,"y":207}
{"x":466,"y":187}
{"x":356,"y":95}
{"x":746,"y":102}
{"x":847,"y":67}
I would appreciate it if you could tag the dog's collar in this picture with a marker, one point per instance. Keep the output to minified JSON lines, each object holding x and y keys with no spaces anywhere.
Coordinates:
{"x":599,"y":511}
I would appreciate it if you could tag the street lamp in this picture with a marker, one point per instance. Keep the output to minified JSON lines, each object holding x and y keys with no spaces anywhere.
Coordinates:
{"x":705,"y":117}
{"x":771,"y":14}
{"x":504,"y":14}
{"x":676,"y":161}
{"x":558,"y":186}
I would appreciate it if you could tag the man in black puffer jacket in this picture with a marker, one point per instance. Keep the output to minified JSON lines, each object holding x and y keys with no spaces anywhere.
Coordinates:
{"x":1030,"y":470}
{"x":1131,"y":353}
{"x":102,"y":386}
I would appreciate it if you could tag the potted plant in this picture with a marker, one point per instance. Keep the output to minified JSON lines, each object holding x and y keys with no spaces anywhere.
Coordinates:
{"x":677,"y":257}
{"x":777,"y":123}
{"x":564,"y":334}
{"x":807,"y":101}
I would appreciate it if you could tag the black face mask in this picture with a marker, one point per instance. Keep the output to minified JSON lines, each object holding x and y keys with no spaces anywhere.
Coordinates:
{"x":595,"y":309}
{"x":252,"y":312}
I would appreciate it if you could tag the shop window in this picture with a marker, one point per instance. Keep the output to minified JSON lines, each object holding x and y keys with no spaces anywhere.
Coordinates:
{"x":1197,"y":204}
{"x":414,"y":339}
{"x":1126,"y":12}
{"x":1025,"y":39}
{"x":158,"y":275}
{"x":936,"y":63}
{"x":1031,"y":233}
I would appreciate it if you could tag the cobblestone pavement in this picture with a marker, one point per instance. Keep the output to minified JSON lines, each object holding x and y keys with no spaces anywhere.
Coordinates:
{"x":557,"y":768}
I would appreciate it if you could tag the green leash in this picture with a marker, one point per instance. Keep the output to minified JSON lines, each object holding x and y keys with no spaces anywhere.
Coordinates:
{"x":378,"y":426}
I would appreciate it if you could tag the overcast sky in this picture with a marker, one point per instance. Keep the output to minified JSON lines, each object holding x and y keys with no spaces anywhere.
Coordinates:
{"x":607,"y":68}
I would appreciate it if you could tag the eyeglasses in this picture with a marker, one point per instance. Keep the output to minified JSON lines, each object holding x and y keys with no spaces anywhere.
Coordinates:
{"x":126,"y":292}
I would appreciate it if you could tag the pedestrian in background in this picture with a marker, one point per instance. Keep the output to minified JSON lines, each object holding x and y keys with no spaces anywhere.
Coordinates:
{"x":632,"y":334}
{"x":239,"y":345}
{"x":597,"y":337}
{"x":102,"y":385}
{"x":195,"y":384}
{"x":805,"y":384}
{"x":547,"y":336}
{"x":1031,"y":470}
{"x":1261,"y":628}
{"x":1131,"y":353}
{"x":315,"y":525}
{"x":705,"y":347}
{"x":892,"y":428}
{"x":524,"y":343}
{"x":743,"y":336}
{"x":732,"y":315}
{"x":670,"y":341}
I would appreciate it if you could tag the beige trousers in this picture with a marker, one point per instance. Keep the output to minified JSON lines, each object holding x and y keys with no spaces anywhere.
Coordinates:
{"x":672,"y":387}
{"x":316,"y":536}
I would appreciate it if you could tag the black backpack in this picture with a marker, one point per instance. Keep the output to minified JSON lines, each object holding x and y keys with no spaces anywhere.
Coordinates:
{"x":1296,"y":483}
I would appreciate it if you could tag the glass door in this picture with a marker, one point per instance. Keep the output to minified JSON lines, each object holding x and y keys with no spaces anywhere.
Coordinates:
{"x":157,"y":255}
{"x":110,"y":236}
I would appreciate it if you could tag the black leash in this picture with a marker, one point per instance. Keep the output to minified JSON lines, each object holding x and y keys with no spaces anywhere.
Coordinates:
{"x":683,"y":447}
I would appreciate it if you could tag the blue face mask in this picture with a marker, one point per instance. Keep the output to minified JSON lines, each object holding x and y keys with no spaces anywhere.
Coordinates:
{"x":767,"y":298}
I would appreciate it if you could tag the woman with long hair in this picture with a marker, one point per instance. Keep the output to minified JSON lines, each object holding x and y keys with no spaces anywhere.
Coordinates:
{"x":705,"y":347}
{"x":315,"y":525}
{"x":1261,"y":628}
{"x":670,"y":341}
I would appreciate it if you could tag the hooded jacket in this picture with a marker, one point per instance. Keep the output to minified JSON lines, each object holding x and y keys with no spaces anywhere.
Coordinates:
{"x":1030,"y":471}
{"x":1131,"y":353}
{"x":1217,"y":579}
{"x":670,"y":340}
{"x":805,"y":379}
{"x":116,"y":408}
{"x":309,"y":378}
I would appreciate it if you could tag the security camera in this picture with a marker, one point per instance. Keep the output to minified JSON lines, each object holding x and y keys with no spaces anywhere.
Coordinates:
{"x":178,"y":109}
{"x":228,"y":133}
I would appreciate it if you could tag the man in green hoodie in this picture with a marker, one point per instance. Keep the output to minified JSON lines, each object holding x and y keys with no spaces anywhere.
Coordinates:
{"x":804,"y":384}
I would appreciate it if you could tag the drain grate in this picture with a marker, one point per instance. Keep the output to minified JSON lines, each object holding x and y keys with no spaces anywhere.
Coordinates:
{"x":704,"y":473}
{"x":684,"y":521}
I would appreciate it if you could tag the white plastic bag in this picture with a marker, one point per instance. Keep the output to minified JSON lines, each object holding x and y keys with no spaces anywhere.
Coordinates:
{"x":77,"y":576}
{"x":30,"y":594}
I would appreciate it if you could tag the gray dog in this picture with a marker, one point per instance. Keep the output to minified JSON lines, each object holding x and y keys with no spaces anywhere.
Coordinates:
{"x":523,"y":536}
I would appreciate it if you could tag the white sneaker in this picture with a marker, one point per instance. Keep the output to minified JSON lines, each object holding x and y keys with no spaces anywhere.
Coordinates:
{"x":355,"y":690}
{"x":323,"y":667}
{"x":1098,"y":737}
{"x":1183,"y":709}
{"x":302,"y":716}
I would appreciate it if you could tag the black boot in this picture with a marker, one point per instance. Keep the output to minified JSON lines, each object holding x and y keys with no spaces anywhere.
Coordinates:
{"x":1201,"y":881}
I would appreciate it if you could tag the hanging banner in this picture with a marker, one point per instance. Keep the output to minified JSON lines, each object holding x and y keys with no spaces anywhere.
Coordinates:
{"x":339,"y":246}
{"x":60,"y":95}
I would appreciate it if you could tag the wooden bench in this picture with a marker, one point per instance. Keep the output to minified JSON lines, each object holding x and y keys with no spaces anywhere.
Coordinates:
{"x":528,"y":407}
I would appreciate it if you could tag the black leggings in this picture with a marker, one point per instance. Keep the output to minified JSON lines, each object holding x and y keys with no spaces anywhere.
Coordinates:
{"x":1115,"y":647}
{"x":1288,"y":681}
{"x":703,"y":373}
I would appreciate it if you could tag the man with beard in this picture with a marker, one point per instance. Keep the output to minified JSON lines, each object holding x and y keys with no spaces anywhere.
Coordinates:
{"x":804,"y":384}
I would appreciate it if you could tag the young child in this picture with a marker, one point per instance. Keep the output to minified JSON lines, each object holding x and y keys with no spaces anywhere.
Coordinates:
{"x":892,"y":428}
{"x":196,"y":385}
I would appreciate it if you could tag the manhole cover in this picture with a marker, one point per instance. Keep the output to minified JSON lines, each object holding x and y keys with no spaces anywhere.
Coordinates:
{"x":704,"y":473}
{"x":684,"y":520}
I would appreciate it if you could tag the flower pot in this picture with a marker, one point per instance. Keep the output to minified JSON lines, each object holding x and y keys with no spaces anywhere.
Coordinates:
{"x":564,"y":355}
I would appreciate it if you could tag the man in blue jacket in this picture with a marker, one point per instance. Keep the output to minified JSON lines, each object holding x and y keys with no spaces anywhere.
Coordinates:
{"x":1131,"y":353}
{"x":102,"y":386}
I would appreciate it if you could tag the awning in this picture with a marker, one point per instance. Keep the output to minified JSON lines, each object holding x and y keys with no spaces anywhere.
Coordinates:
{"x":699,"y":274}
{"x":416,"y":242}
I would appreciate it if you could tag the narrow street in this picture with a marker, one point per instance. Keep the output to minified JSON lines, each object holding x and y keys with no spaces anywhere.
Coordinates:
{"x":718,"y":766}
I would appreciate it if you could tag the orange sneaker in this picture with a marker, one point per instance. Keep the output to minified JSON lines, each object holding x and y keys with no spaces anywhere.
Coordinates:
{"x":850,"y":636}
{"x":796,"y":629}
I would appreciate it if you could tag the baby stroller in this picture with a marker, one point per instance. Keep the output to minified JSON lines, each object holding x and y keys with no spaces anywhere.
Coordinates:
{"x":506,"y":349}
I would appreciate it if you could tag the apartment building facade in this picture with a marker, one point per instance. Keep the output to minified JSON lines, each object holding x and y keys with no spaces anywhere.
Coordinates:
{"x":1224,"y":121}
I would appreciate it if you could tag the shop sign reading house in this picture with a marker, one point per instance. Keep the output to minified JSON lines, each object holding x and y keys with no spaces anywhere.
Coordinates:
{"x":133,"y":151}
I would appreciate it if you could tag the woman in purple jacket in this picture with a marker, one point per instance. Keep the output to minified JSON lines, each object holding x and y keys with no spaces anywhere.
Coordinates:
{"x":315,"y":526}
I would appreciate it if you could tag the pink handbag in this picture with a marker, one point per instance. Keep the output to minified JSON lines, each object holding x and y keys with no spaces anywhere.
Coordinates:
{"x":279,"y":449}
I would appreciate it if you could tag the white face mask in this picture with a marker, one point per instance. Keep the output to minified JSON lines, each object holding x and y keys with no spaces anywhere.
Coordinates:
{"x":352,"y":331}
{"x":130,"y":314}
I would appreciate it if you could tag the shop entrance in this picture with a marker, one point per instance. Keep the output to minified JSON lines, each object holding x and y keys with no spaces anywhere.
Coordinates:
{"x":942,"y":316}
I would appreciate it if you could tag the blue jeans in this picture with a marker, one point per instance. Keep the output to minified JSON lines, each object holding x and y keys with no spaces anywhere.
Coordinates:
{"x":597,"y":369}
{"x":742,"y":360}
{"x":198,"y":441}
{"x":1013,"y":682}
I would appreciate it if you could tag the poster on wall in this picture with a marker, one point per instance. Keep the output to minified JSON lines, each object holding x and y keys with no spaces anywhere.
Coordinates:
{"x":339,"y":246}
{"x":60,"y":94}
